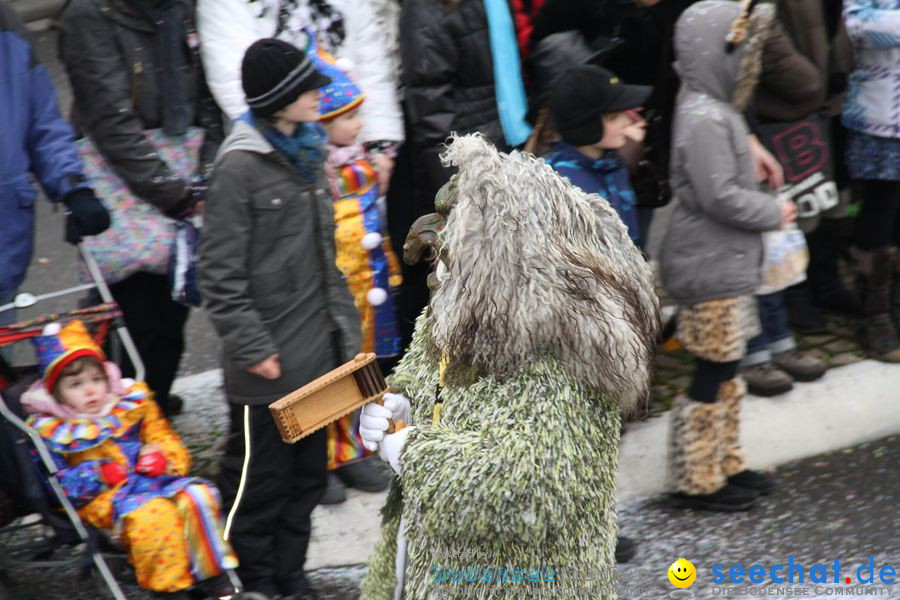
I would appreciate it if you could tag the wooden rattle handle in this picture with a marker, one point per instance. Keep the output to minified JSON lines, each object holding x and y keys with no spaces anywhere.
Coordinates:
{"x":393,"y":426}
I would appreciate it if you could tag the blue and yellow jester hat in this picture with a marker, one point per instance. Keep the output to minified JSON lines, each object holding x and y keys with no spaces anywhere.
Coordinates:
{"x":59,"y":346}
{"x":341,"y":95}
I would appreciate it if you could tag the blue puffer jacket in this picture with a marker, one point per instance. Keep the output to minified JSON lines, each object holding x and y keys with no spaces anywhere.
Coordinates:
{"x":33,"y":138}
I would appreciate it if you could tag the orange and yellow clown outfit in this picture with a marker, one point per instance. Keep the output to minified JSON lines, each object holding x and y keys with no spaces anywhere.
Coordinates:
{"x":171,"y":524}
{"x":364,"y":253}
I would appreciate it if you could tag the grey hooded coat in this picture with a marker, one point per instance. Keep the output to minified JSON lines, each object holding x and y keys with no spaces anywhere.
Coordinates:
{"x":713,"y":247}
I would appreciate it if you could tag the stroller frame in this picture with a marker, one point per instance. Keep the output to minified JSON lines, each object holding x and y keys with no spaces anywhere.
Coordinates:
{"x":70,"y":519}
{"x":84,"y":535}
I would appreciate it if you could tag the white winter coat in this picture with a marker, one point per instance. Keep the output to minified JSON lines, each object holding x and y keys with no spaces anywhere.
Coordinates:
{"x":228,"y":27}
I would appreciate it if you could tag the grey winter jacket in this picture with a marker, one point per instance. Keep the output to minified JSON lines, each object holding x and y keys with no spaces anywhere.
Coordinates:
{"x":268,"y":273}
{"x":713,"y":247}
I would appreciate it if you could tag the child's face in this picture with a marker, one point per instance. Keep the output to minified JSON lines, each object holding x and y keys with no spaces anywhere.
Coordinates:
{"x":305,"y":109}
{"x":86,"y":392}
{"x":615,"y":126}
{"x":343,"y":130}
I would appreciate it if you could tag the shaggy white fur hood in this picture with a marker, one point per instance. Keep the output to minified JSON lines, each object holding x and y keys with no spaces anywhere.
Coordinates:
{"x":536,"y":267}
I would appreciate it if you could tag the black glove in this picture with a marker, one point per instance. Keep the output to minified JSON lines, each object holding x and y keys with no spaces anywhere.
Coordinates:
{"x":86,"y":215}
{"x":837,"y":82}
{"x":184,"y":208}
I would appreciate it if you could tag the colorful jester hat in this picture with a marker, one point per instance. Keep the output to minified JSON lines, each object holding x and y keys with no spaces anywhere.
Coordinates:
{"x":341,"y":95}
{"x":58,"y":346}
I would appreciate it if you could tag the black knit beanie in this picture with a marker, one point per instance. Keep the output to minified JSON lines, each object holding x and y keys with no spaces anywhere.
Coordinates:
{"x":274,"y":74}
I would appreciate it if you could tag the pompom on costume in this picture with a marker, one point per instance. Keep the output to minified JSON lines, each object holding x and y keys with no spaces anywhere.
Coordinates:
{"x":364,"y":253}
{"x":540,"y":331}
{"x":170,"y":523}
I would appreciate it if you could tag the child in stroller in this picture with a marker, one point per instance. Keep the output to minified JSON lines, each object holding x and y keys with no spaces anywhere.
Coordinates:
{"x":124,"y":468}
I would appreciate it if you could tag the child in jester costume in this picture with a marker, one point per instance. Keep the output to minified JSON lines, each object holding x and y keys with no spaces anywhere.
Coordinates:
{"x":124,"y":467}
{"x":539,"y":334}
{"x":364,"y":253}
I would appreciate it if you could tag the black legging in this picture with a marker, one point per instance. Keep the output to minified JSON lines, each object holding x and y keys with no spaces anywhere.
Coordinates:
{"x":708,"y":377}
{"x":878,"y":222}
{"x":156,"y":322}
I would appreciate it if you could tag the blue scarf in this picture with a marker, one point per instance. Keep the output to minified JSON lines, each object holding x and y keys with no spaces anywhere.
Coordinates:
{"x":509,"y":88}
{"x":305,"y":149}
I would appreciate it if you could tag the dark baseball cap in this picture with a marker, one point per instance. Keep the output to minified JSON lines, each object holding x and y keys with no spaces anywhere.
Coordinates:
{"x":583,"y":94}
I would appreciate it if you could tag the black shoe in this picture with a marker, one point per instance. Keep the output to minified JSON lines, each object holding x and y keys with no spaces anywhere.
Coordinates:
{"x":626,"y":548}
{"x":174,"y":405}
{"x":365,"y":475}
{"x":335,"y":492}
{"x":730,"y":498}
{"x":298,"y":589}
{"x":219,"y":586}
{"x":756,"y":481}
{"x":179,"y":595}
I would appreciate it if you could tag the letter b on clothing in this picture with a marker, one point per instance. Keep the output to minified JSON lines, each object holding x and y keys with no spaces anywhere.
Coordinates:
{"x":801,"y":151}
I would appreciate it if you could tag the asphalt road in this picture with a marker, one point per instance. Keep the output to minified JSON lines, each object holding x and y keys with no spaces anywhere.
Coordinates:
{"x":841,"y":506}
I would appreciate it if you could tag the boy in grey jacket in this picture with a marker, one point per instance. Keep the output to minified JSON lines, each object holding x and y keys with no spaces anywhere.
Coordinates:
{"x":280,"y":305}
{"x":712,"y":252}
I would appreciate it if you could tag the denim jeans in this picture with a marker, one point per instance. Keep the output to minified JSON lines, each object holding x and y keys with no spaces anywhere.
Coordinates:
{"x":775,"y":337}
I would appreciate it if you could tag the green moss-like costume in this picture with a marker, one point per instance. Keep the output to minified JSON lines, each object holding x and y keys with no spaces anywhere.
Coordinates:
{"x":512,"y":493}
{"x":520,"y":474}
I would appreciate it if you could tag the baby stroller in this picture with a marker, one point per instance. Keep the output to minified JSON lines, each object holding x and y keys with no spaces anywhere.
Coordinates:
{"x":51,"y":533}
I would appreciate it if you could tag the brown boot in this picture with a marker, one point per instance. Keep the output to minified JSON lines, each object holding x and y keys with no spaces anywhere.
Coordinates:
{"x":874,"y":276}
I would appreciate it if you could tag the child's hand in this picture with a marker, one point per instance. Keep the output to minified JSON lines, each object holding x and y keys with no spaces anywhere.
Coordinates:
{"x":113,"y":473}
{"x":767,"y":168}
{"x":384,"y":164}
{"x":148,"y":449}
{"x":788,"y":213}
{"x":637,"y":131}
{"x":269,"y":368}
{"x":152,"y":465}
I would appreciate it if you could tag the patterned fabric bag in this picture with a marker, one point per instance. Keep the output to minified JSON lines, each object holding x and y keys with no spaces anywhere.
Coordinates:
{"x":140,"y":237}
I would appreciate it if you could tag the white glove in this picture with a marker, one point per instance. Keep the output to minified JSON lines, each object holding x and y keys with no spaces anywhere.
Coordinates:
{"x":373,"y":421}
{"x":392,"y":445}
{"x":398,"y":404}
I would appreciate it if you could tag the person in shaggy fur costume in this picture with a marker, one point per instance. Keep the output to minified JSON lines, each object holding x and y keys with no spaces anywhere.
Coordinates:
{"x":539,"y":334}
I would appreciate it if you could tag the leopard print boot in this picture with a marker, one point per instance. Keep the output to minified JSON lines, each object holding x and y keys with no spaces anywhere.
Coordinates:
{"x":734,"y":463}
{"x":695,"y":451}
{"x":696,"y":459}
{"x":730,"y":395}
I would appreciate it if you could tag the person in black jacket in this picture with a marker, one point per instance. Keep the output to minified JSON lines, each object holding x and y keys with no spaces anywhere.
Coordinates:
{"x":448,"y":80}
{"x":448,"y":76}
{"x":134,"y":66}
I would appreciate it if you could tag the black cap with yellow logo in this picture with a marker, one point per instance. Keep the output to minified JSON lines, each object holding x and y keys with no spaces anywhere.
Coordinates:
{"x":585,"y":93}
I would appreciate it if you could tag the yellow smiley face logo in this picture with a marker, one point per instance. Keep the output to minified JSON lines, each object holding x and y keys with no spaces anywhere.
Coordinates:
{"x":682,"y":573}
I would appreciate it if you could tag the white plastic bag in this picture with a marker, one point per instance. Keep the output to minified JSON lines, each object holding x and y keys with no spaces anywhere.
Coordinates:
{"x":786,"y":257}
